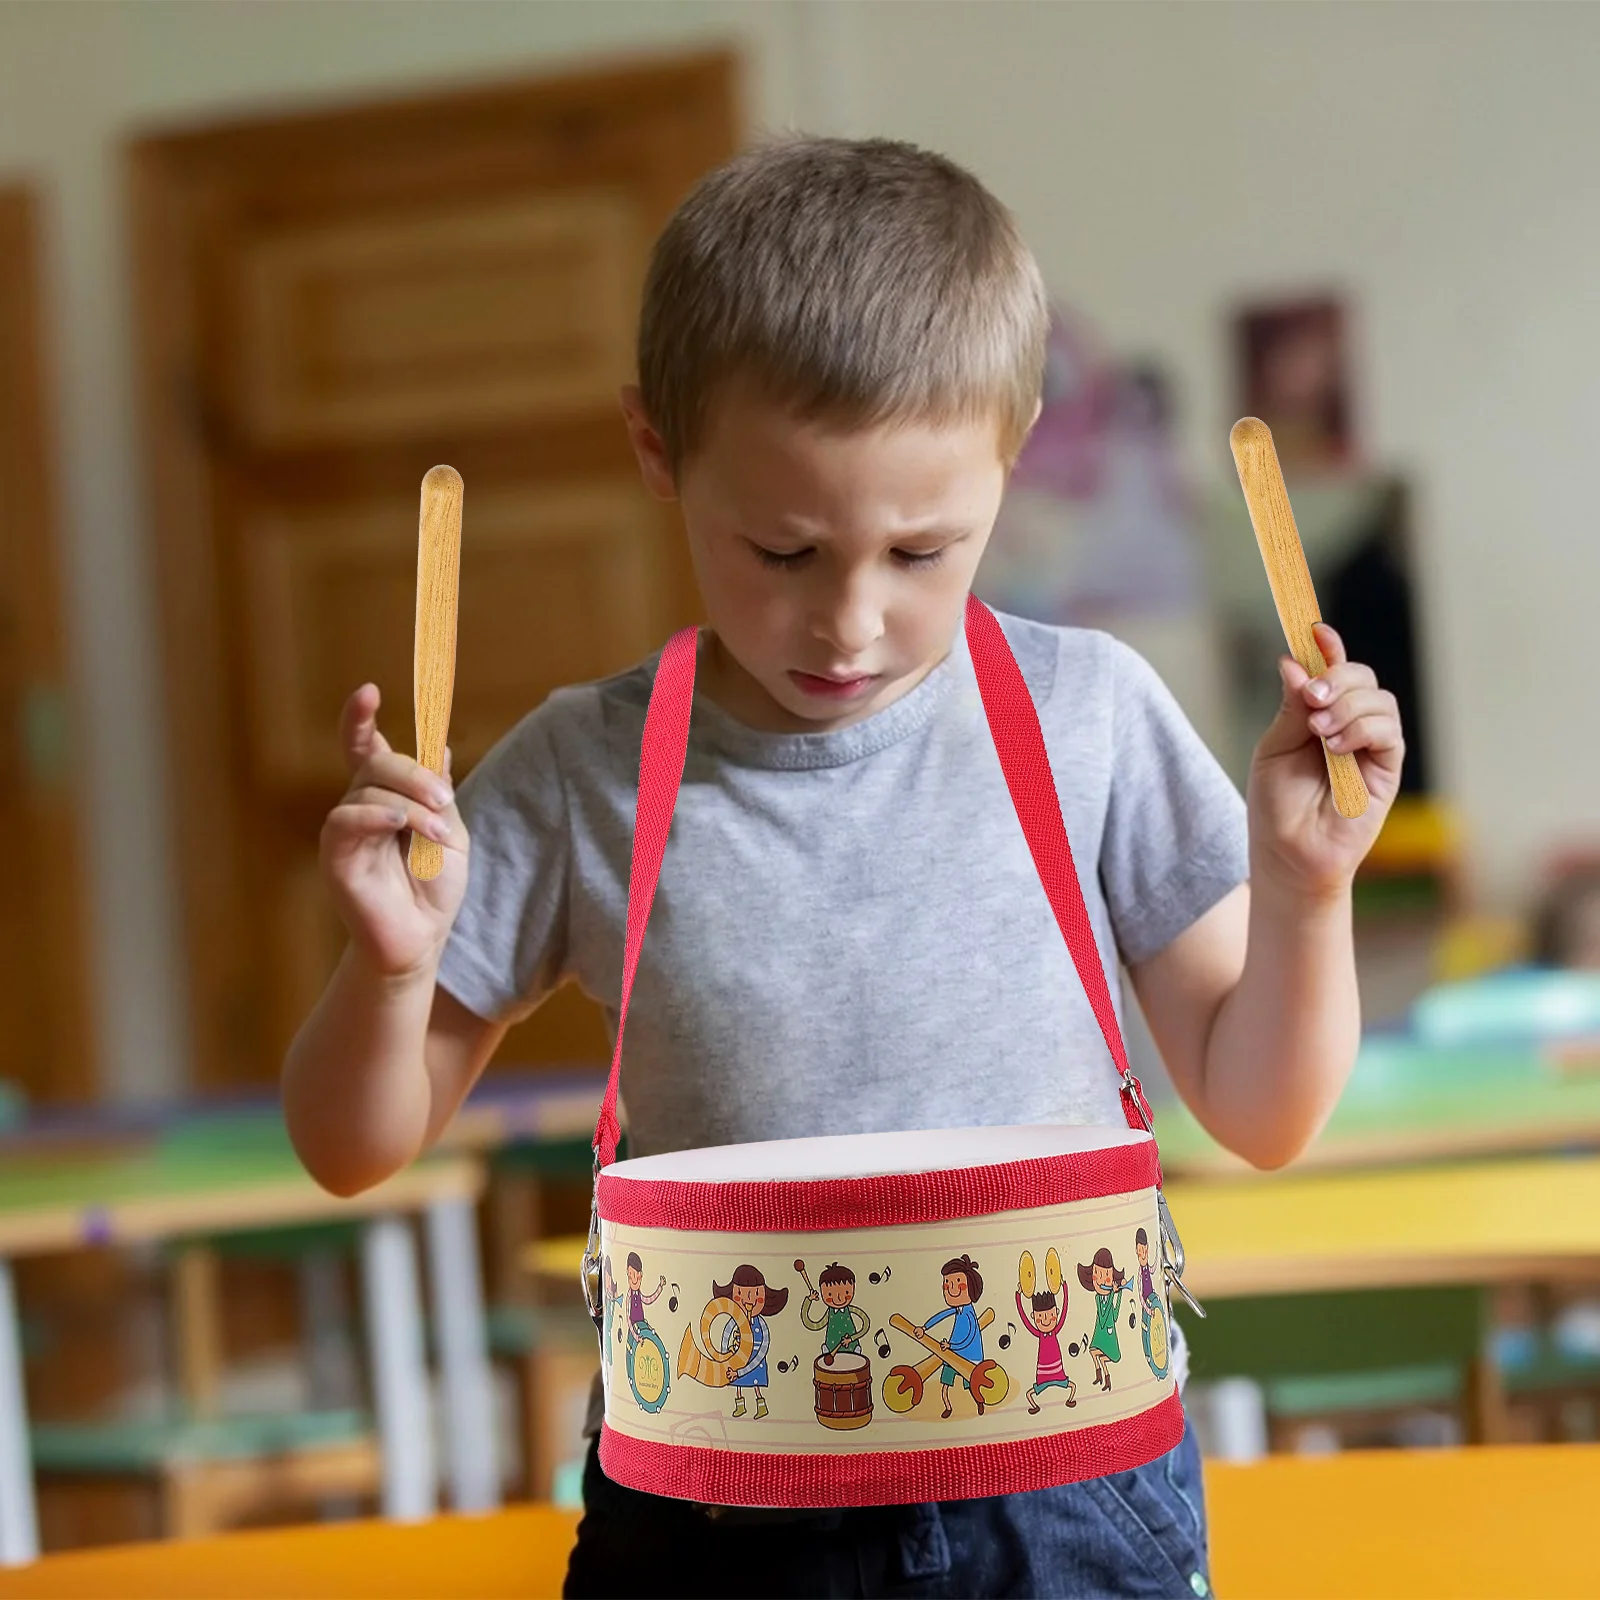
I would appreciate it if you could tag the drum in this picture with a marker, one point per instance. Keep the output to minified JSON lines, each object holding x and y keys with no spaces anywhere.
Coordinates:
{"x":844,"y":1390}
{"x":933,"y":1234}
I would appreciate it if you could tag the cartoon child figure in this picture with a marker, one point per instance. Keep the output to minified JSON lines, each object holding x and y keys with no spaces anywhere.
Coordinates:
{"x":1107,"y":1283}
{"x":843,"y":1325}
{"x":749,"y":1289}
{"x":962,"y":1286}
{"x":612,"y":1296}
{"x":1147,"y":1282}
{"x":1052,"y":1373}
{"x":637,"y":1299}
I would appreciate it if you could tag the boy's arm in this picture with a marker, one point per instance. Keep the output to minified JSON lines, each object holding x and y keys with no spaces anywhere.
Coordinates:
{"x":377,"y":1071}
{"x":1256,"y":1005}
{"x":1255,"y":1010}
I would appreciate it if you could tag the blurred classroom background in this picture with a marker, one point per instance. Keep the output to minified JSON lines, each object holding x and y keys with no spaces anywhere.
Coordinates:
{"x":263,"y":264}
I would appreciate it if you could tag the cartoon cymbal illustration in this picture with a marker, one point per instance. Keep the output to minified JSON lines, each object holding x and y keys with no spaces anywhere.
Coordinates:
{"x":1027,"y":1278}
{"x":902,"y":1389}
{"x":1052,"y":1270}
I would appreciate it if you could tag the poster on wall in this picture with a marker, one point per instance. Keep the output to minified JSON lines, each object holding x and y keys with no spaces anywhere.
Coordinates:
{"x":1097,"y":528}
{"x":1292,"y":369}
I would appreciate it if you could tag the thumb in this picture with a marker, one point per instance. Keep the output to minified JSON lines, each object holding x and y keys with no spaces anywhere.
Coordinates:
{"x":1291,"y":727}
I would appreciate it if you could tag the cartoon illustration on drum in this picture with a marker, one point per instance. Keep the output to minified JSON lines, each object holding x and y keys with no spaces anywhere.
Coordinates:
{"x":1107,"y":1282}
{"x":842,"y":1374}
{"x":612,"y":1296}
{"x":904,"y":1387}
{"x":1045,"y":1326}
{"x":734,"y":1337}
{"x":843,"y":1325}
{"x":962,"y":1351}
{"x":1157,"y":1350}
{"x":647,"y":1355}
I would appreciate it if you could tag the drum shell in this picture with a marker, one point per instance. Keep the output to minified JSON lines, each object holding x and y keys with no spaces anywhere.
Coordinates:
{"x":896,"y":1234}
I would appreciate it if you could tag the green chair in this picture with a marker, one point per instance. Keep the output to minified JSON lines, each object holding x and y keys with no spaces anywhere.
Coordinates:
{"x":1352,"y":1360}
{"x":217,"y":1472}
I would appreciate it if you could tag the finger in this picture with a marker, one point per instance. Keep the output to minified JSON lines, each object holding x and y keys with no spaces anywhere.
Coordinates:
{"x":1329,"y":643}
{"x":1356,"y":703}
{"x":1327,"y":686}
{"x":351,"y":823}
{"x":358,"y":727}
{"x":420,"y":818}
{"x":1380,"y":731}
{"x":404,"y":776}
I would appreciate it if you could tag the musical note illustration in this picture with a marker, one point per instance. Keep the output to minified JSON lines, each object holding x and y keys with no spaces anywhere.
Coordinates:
{"x":672,"y":1303}
{"x":1005,"y":1338}
{"x":1072,"y":1349}
{"x":883,"y":1345}
{"x":789,"y":1365}
{"x":879,"y":1277}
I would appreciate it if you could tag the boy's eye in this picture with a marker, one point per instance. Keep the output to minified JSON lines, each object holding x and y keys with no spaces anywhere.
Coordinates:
{"x":779,"y":558}
{"x":919,"y":558}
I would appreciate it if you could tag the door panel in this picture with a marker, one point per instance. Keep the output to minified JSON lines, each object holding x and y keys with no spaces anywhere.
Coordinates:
{"x":504,"y":312}
{"x":562,"y":584}
{"x":329,"y":305}
{"x":46,"y":1042}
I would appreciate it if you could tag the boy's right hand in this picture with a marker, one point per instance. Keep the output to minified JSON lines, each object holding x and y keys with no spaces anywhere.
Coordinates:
{"x":398,"y":923}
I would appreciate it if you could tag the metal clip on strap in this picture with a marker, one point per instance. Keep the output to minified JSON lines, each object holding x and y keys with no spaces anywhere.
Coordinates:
{"x":593,"y":1288}
{"x":1172,"y":1253}
{"x":1171,"y":1244}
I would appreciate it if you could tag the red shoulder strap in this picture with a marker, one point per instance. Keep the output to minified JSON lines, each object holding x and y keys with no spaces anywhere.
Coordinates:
{"x":1014,"y":726}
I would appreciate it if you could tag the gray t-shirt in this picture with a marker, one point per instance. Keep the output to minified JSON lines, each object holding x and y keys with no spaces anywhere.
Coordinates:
{"x":849,"y":933}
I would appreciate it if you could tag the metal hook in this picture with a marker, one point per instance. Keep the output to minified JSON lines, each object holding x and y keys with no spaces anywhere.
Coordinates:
{"x":589,"y":1273}
{"x":1172,"y":1260}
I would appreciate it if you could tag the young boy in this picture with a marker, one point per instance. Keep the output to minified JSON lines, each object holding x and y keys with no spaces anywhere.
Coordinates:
{"x":840,"y":354}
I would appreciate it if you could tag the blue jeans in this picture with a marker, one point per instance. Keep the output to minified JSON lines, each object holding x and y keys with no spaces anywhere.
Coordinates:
{"x":1137,"y":1533}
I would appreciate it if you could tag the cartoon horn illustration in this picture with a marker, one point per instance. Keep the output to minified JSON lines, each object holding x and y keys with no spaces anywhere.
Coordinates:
{"x":698,"y":1363}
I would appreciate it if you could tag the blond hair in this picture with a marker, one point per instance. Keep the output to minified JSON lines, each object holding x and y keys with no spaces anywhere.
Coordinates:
{"x":858,"y":282}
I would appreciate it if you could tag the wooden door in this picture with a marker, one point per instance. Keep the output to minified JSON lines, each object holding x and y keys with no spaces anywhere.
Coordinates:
{"x":329,"y":305}
{"x":47,"y":1040}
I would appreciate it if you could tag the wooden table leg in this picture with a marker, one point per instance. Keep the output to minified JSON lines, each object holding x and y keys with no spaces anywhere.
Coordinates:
{"x":460,"y":1324}
{"x":195,"y":1281}
{"x":393,"y":1308}
{"x":19,"y":1525}
{"x":1488,"y":1417}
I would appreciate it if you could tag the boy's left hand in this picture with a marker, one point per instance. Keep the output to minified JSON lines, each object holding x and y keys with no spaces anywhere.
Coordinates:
{"x":1297,"y":838}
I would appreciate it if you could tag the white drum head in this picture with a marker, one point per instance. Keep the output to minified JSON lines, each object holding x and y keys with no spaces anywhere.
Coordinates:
{"x":844,"y":1361}
{"x":870,"y":1155}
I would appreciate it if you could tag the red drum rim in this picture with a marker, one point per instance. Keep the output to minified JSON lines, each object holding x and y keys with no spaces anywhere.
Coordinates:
{"x":879,"y":1200}
{"x":713,"y":1475}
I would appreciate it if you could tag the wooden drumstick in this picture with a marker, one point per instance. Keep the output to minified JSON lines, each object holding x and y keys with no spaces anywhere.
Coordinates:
{"x":1261,"y":478}
{"x":800,"y":1267}
{"x":434,"y":674}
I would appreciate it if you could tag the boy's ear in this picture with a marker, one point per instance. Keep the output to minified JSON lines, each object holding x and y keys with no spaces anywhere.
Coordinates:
{"x":648,"y":449}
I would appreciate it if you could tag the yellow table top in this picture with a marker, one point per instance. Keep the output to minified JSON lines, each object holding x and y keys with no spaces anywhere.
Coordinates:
{"x":1474,"y":1222}
{"x":52,"y":1203}
{"x":1500,"y":1523}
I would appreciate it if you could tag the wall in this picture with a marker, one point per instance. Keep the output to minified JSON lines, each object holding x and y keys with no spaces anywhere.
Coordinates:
{"x":1164,"y":159}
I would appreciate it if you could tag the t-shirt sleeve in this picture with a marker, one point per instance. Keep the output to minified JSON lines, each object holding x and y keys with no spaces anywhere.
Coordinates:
{"x":508,"y":948}
{"x":1176,"y":838}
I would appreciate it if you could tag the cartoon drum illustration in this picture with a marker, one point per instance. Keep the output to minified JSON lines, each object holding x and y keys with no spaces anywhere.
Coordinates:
{"x":647,"y":1369}
{"x":844,"y":1390}
{"x":1156,"y":1349}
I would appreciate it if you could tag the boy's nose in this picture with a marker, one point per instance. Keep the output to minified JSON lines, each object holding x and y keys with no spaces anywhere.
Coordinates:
{"x":850,"y":623}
